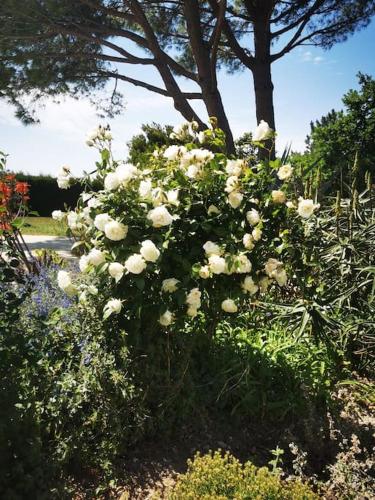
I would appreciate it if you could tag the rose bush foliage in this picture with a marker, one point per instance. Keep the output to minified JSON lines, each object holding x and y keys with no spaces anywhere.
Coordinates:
{"x":190,"y":232}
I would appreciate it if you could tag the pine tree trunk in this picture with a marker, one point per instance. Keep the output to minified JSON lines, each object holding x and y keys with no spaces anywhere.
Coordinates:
{"x":207,"y":79}
{"x":215,"y":108}
{"x":263,"y":86}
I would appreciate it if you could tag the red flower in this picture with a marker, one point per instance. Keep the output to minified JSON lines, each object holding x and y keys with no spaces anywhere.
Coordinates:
{"x":22,"y":187}
{"x":5,"y":226}
{"x":5,"y":190}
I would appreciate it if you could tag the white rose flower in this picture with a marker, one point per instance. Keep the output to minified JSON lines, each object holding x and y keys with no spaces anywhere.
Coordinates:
{"x":248,"y":241}
{"x":93,"y":135}
{"x":212,"y":209}
{"x":113,"y":306}
{"x":281,"y":277}
{"x":285,"y":172}
{"x":217,"y":264}
{"x":157,"y":197}
{"x":201,"y":137}
{"x":232,"y":184}
{"x":63,"y":279}
{"x":229,"y":306}
{"x":58,"y":215}
{"x":181,"y":131}
{"x":193,"y":126}
{"x":172,"y":197}
{"x":249,"y":286}
{"x":243,"y":264}
{"x":145,"y":189}
{"x":262,"y":132}
{"x":115,"y":231}
{"x":166,"y":319}
{"x":64,"y":282}
{"x":306,"y":208}
{"x":135,"y":264}
{"x":174,"y":152}
{"x":96,"y":257}
{"x":126,"y":172}
{"x":278,"y":196}
{"x":94,"y":202}
{"x":212,"y":248}
{"x":160,"y":216}
{"x":253,"y":217}
{"x":149,"y":251}
{"x":111,"y":181}
{"x":116,"y":270}
{"x":82,"y":298}
{"x":200,"y":155}
{"x":101,"y":220}
{"x":256,"y":234}
{"x":193,"y":171}
{"x":235,"y":199}
{"x":86,"y":215}
{"x":264,"y":283}
{"x":92,"y":290}
{"x":73,"y":221}
{"x":63,"y":182}
{"x":271,"y":265}
{"x":234,"y":167}
{"x":169,"y":285}
{"x":192,"y":312}
{"x":274,"y":269}
{"x":204,"y":272}
{"x":64,"y":171}
{"x":84,"y":263}
{"x":193,"y":298}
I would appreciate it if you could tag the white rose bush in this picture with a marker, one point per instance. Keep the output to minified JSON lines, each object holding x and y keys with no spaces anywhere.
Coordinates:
{"x":191,"y":233}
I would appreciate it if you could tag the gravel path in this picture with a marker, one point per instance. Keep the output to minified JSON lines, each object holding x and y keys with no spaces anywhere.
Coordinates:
{"x":59,"y":244}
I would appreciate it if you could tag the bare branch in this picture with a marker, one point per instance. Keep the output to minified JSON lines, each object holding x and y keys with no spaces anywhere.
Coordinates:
{"x":216,"y":39}
{"x":151,"y":88}
{"x":307,"y":15}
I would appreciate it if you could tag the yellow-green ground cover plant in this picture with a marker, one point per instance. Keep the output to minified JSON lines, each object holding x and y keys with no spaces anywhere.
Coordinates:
{"x":218,"y":476}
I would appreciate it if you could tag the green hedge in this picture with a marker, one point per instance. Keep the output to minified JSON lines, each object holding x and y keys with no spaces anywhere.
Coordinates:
{"x":46,"y":196}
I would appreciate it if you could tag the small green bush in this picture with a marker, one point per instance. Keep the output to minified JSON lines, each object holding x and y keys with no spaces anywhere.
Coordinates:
{"x":68,"y":402}
{"x":220,"y":477}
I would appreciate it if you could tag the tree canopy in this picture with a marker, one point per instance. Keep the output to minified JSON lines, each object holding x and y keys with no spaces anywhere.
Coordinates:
{"x":49,"y":47}
{"x":340,"y":138}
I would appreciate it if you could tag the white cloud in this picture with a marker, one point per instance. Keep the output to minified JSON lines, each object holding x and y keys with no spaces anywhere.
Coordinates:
{"x":308,"y":56}
{"x":153,"y":101}
{"x":70,"y":118}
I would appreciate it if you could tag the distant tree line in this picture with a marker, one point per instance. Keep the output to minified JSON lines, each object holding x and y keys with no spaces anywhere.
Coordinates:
{"x":46,"y":196}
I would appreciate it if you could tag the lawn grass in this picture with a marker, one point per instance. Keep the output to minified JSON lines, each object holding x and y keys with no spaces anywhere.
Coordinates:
{"x":43,"y":225}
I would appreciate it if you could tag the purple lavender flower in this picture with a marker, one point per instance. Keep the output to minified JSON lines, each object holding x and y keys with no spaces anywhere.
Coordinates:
{"x":45,"y":295}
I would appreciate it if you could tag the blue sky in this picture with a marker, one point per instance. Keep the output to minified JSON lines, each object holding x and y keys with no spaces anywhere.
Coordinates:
{"x":308,"y":83}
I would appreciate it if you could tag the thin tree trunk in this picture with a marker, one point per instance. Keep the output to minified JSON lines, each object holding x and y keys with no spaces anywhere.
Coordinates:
{"x":181,"y":104}
{"x":215,"y":107}
{"x":206,"y":73}
{"x":263,"y":86}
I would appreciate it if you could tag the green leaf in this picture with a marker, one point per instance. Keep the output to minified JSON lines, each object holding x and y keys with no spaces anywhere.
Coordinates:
{"x":139,"y":283}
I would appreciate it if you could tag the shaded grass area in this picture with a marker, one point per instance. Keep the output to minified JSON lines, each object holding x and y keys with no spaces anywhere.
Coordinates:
{"x":43,"y":225}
